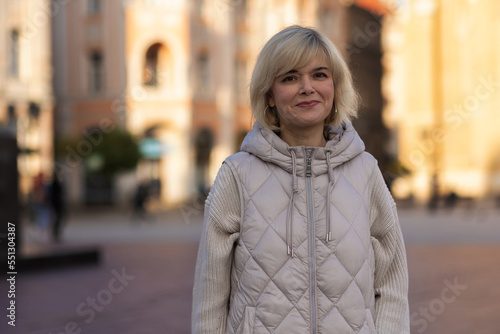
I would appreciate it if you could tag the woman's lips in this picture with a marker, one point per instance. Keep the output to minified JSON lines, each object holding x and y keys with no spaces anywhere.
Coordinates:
{"x":307,"y":104}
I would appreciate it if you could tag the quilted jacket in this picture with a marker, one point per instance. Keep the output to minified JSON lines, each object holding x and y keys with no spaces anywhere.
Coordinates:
{"x":303,"y":260}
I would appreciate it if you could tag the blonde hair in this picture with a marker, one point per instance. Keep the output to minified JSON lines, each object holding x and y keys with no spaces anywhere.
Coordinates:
{"x":292,"y":48}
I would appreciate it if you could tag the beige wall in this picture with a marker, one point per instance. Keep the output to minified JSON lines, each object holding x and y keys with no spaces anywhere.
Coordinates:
{"x":32,"y":85}
{"x":443,"y":91}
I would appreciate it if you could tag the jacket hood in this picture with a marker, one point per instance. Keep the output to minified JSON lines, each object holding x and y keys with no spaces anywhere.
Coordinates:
{"x":343,"y":145}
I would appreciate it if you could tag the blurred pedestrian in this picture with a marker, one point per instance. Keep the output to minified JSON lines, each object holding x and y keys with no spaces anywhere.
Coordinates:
{"x":301,"y":234}
{"x":451,"y":200}
{"x":140,"y":197}
{"x":57,"y":201}
{"x":40,"y":200}
{"x":433,"y":202}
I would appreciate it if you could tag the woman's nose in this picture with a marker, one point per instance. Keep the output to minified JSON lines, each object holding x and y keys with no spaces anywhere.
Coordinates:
{"x":306,"y":86}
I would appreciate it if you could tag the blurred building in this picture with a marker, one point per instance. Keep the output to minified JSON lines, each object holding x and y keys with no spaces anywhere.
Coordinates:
{"x":26,"y":99}
{"x":443,"y":92}
{"x":225,"y":39}
{"x":176,"y":74}
{"x":89,"y":87}
{"x":158,"y":94}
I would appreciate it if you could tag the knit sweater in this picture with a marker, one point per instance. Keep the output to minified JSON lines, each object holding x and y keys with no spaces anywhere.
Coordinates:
{"x":223,"y":214}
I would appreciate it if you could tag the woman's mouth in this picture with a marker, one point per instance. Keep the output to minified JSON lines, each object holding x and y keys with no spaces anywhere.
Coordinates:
{"x":307,"y":104}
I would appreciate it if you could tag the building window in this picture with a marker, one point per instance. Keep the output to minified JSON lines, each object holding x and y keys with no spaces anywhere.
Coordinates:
{"x":34,"y":110}
{"x":11,"y":112}
{"x":94,"y":7}
{"x":203,"y":74}
{"x":11,"y":117}
{"x":157,"y":69}
{"x":150,"y":72}
{"x":96,"y":72}
{"x":14,"y":54}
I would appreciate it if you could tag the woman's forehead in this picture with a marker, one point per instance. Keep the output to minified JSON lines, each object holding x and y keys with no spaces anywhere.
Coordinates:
{"x":318,"y":57}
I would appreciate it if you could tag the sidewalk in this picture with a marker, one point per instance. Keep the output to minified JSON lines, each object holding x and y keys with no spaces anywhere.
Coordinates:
{"x":118,"y":226}
{"x":143,"y":284}
{"x":480,"y":225}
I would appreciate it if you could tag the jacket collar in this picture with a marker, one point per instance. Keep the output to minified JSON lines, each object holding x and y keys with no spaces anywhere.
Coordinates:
{"x":344,"y":144}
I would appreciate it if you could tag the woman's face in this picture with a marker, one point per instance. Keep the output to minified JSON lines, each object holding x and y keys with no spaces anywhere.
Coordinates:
{"x":304,"y":96}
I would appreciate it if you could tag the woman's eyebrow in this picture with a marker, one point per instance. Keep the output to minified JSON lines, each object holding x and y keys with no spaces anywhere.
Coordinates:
{"x":290,"y":72}
{"x":321,"y":68}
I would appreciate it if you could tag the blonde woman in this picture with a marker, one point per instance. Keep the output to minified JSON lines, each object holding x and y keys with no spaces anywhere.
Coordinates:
{"x":301,"y":234}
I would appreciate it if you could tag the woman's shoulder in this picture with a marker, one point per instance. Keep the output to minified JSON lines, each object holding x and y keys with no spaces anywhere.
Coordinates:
{"x":239,"y":158}
{"x":365,"y":161}
{"x":368,"y":158}
{"x":247,"y":166}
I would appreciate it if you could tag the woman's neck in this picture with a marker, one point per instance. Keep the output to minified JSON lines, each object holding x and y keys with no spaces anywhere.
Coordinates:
{"x":310,"y":137}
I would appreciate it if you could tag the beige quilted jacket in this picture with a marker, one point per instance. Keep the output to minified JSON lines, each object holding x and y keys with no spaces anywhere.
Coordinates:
{"x":300,"y":240}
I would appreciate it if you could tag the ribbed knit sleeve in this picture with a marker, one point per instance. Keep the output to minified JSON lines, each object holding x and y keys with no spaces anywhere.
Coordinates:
{"x":215,"y":253}
{"x":391,"y":271}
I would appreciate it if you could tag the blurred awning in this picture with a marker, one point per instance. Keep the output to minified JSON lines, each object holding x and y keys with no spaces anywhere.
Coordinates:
{"x":375,"y":6}
{"x":150,"y":148}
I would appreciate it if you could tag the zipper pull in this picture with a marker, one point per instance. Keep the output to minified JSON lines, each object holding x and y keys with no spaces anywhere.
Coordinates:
{"x":309,"y":153}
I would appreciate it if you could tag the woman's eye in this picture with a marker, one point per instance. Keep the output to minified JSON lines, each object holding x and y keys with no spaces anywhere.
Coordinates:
{"x":289,"y":78}
{"x":321,"y":75}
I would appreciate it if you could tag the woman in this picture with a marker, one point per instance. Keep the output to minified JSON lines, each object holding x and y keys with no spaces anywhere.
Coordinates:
{"x":301,"y":234}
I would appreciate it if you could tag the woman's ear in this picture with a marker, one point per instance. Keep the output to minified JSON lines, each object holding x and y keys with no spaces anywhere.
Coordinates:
{"x":270,"y":99}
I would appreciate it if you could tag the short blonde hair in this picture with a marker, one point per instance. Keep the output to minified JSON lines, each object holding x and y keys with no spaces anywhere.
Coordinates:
{"x":292,"y":48}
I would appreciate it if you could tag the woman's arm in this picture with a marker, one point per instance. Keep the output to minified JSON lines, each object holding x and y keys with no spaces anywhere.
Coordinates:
{"x":213,"y":267}
{"x":391,"y":271}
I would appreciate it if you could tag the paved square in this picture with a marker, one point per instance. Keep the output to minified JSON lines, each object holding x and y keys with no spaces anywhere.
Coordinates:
{"x":143,"y":284}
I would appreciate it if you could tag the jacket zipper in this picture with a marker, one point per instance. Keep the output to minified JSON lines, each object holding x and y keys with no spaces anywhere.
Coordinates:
{"x":312,"y":237}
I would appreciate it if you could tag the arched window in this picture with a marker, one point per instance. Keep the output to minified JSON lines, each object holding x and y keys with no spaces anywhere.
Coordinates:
{"x":14,"y":54}
{"x":157,"y":66}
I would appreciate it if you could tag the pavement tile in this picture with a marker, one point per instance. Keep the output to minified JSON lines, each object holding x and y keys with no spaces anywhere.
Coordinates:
{"x":160,"y":254}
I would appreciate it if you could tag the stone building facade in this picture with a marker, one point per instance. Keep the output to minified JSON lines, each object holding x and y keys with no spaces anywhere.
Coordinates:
{"x":176,"y":75}
{"x":442,"y":87}
{"x":26,"y":97}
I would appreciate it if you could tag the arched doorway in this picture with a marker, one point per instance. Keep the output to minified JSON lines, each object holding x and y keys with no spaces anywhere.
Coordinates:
{"x":203,"y":148}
